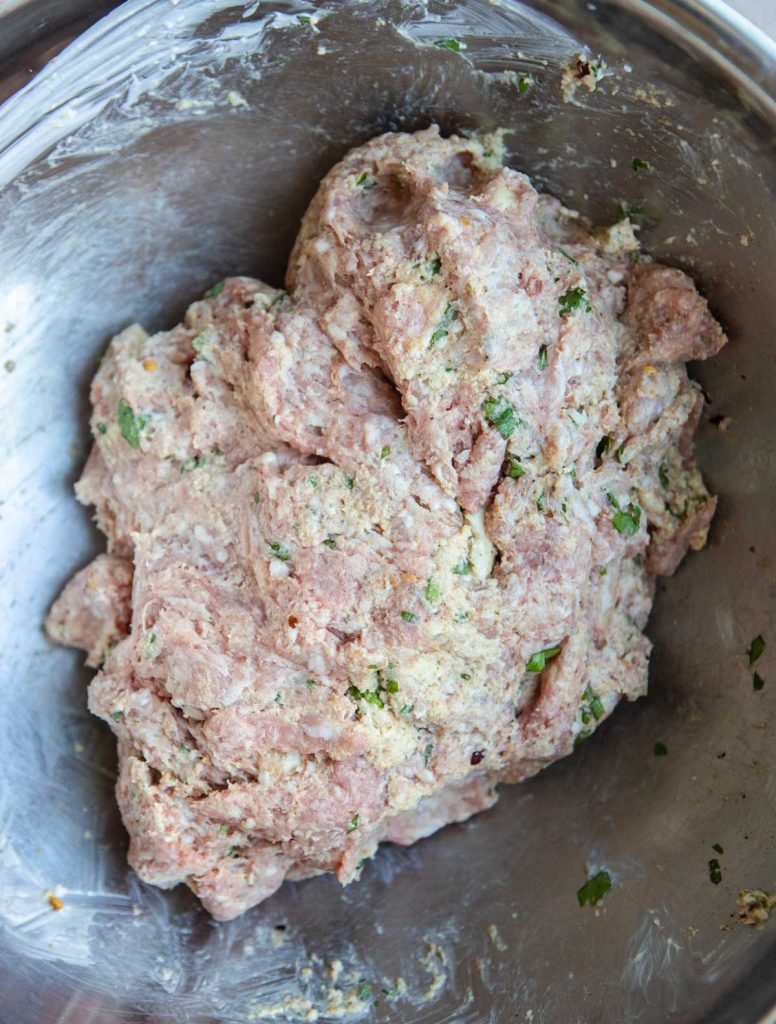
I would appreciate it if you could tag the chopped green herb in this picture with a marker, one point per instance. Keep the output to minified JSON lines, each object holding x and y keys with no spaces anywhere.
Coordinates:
{"x":524,"y":83}
{"x":189,"y":464}
{"x":568,"y":257}
{"x":431,"y":267}
{"x":514,"y":469}
{"x":582,"y":736}
{"x":279,"y":299}
{"x":450,"y":44}
{"x":594,"y":889}
{"x":715,"y":871}
{"x":365,"y":182}
{"x":757,"y":681}
{"x":461,"y":617}
{"x":640,"y":165}
{"x":185,"y":748}
{"x":234,"y":851}
{"x":223,"y":830}
{"x":330,"y":542}
{"x":280,"y":551}
{"x":541,"y":502}
{"x":625,"y":520}
{"x":310,"y":683}
{"x":350,"y":482}
{"x":313,"y":482}
{"x":593,"y":702}
{"x":130,"y":425}
{"x":406,"y":709}
{"x":450,"y":314}
{"x":500,"y":414}
{"x":756,"y":648}
{"x":364,"y":992}
{"x":717,"y":848}
{"x":503,"y":378}
{"x":602,"y":570}
{"x":215,"y":290}
{"x":391,"y":686}
{"x":427,"y":754}
{"x":625,"y":211}
{"x":385,"y":452}
{"x":370,"y":696}
{"x":101,"y":427}
{"x":465,"y":676}
{"x":353,"y":824}
{"x":256,"y":497}
{"x":433,"y":592}
{"x":574,"y":298}
{"x":463,"y":568}
{"x":409,"y":616}
{"x":539,"y":659}
{"x":542,"y":359}
{"x":662,"y":473}
{"x":304,"y":19}
{"x":487,"y":153}
{"x":603,"y":447}
{"x":117,"y":716}
{"x":661,"y":750}
{"x":278,"y":698}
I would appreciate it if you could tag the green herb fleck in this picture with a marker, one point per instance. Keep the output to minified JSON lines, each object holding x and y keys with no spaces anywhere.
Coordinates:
{"x":756,"y":649}
{"x":256,"y":497}
{"x":215,"y":290}
{"x":433,"y":592}
{"x":366,"y":989}
{"x":427,"y":754}
{"x":465,"y":676}
{"x":313,"y":482}
{"x":542,"y":359}
{"x":460,"y":617}
{"x":662,"y":472}
{"x":625,"y":520}
{"x":350,"y":482}
{"x":757,"y":681}
{"x":625,"y":211}
{"x":524,"y":83}
{"x":450,"y":314}
{"x":661,"y":750}
{"x":500,"y":414}
{"x":574,"y":298}
{"x":391,"y":686}
{"x":541,"y":502}
{"x":117,"y":716}
{"x":581,"y":737}
{"x":603,"y":447}
{"x":278,"y":698}
{"x":409,"y":616}
{"x":102,"y":428}
{"x":640,"y":165}
{"x":189,"y":464}
{"x":503,"y":378}
{"x":279,"y":299}
{"x":514,"y":469}
{"x":330,"y":542}
{"x":717,"y":848}
{"x":568,"y":257}
{"x":385,"y":452}
{"x":594,"y":889}
{"x":370,"y":696}
{"x":463,"y":568}
{"x":602,"y":570}
{"x":353,"y":824}
{"x":310,"y":683}
{"x":715,"y":871}
{"x":365,"y":182}
{"x":185,"y":748}
{"x":450,"y":44}
{"x":593,"y":702}
{"x":130,"y":425}
{"x":223,"y":830}
{"x":304,"y":19}
{"x":539,"y":659}
{"x":430,"y":267}
{"x":280,"y":551}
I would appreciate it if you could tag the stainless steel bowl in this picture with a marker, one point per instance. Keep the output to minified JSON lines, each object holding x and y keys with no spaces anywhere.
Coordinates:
{"x":176,"y":142}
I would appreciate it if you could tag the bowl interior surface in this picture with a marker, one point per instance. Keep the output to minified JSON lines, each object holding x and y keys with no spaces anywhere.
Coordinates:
{"x":179,"y":142}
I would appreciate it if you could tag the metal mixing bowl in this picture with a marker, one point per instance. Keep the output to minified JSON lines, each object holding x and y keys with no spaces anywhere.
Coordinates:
{"x":177,"y":141}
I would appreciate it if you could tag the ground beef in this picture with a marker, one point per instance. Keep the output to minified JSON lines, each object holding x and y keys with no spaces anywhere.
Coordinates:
{"x":391,"y":535}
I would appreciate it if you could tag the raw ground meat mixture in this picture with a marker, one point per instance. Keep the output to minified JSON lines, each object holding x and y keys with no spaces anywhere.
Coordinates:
{"x":389,"y":538}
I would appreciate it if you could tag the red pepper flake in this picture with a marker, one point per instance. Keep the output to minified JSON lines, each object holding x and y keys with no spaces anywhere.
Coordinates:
{"x":477,"y":756}
{"x":55,"y":903}
{"x":293,"y":622}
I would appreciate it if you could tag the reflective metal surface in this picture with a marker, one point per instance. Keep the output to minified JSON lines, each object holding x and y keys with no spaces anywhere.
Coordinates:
{"x":176,"y":142}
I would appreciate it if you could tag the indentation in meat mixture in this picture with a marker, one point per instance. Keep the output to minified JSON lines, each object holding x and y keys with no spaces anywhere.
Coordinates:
{"x":391,"y":536}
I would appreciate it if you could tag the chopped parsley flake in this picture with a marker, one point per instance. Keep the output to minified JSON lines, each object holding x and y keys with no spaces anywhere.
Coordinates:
{"x":602,"y":570}
{"x":406,"y":709}
{"x":310,"y":683}
{"x":215,"y":290}
{"x":465,"y":676}
{"x":574,"y":298}
{"x":539,"y":659}
{"x":279,"y":299}
{"x":640,"y":165}
{"x":370,"y":696}
{"x":661,"y":750}
{"x":625,"y":211}
{"x":717,"y":848}
{"x":280,"y":551}
{"x":503,"y":378}
{"x":185,"y":748}
{"x":500,"y":414}
{"x":568,"y":257}
{"x":409,"y":616}
{"x":603,"y":447}
{"x":625,"y":520}
{"x":427,"y":754}
{"x":542,"y":358}
{"x":366,"y":989}
{"x":189,"y":464}
{"x":594,"y":889}
{"x":715,"y":871}
{"x":117,"y":716}
{"x":386,"y":451}
{"x":130,"y":425}
{"x":450,"y":44}
{"x":353,"y":824}
{"x":256,"y":497}
{"x":461,"y":617}
{"x":430,"y":267}
{"x":662,"y":473}
{"x":541,"y":502}
{"x":223,"y":830}
{"x":757,"y":681}
{"x":463,"y":568}
{"x":756,"y":649}
{"x":581,"y":737}
{"x":365,"y":182}
{"x":594,"y":703}
{"x":102,"y":428}
{"x":433,"y":592}
{"x":514,"y":469}
{"x":304,"y":19}
{"x":313,"y":482}
{"x":524,"y":83}
{"x":330,"y":542}
{"x":350,"y":482}
{"x":450,"y":314}
{"x":391,"y":686}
